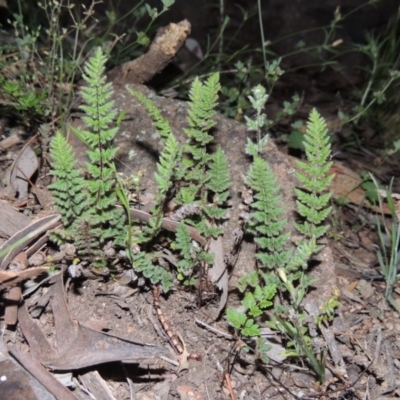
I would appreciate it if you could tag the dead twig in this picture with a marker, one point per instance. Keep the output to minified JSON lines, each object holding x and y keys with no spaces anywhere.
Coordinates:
{"x":214,"y":330}
{"x":174,"y":338}
{"x":162,"y":50}
{"x":229,"y":385}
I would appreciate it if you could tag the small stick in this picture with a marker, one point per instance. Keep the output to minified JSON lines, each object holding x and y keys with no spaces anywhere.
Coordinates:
{"x":167,"y":328}
{"x":173,"y":337}
{"x":214,"y":330}
{"x":229,"y":386}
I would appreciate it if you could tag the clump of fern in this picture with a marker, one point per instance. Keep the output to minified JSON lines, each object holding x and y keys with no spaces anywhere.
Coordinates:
{"x":105,"y":220}
{"x":202,"y":175}
{"x":99,"y":220}
{"x":313,"y":206}
{"x":166,"y":166}
{"x":280,"y":269}
{"x":145,"y":261}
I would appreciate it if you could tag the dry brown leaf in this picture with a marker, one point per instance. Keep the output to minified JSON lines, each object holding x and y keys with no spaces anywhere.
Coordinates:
{"x":218,"y":273}
{"x":9,"y":279}
{"x":22,"y":170}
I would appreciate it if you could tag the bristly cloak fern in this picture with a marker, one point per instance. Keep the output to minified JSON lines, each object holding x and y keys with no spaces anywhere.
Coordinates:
{"x":266,"y":221}
{"x":313,"y":198}
{"x":99,"y":220}
{"x":204,"y":175}
{"x":166,"y":165}
{"x":279,"y":268}
{"x":203,"y":178}
{"x":69,"y":188}
{"x":144,"y":262}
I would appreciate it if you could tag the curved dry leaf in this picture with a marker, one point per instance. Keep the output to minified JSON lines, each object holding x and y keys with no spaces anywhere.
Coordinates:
{"x":25,"y":236}
{"x":25,"y":165}
{"x":218,"y":273}
{"x":9,"y":279}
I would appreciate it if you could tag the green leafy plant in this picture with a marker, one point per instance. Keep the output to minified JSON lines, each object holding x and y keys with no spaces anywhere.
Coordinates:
{"x":24,"y":99}
{"x":69,"y":189}
{"x":204,"y":177}
{"x":95,"y":219}
{"x":146,"y":264}
{"x":313,"y":198}
{"x":255,"y":303}
{"x":49,"y":44}
{"x":144,"y":261}
{"x":281,"y":269}
{"x":201,"y":176}
{"x":37,"y":87}
{"x":382,"y":73}
{"x":328,"y":309}
{"x":188,"y":254}
{"x":166,"y":166}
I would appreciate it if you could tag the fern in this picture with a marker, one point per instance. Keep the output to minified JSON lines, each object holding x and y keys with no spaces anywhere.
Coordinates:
{"x":142,"y":262}
{"x":218,"y":183}
{"x":313,"y":198}
{"x":106,"y":222}
{"x":266,"y":222}
{"x":68,"y":189}
{"x":92,"y":219}
{"x":188,"y":255}
{"x":279,"y":269}
{"x":255,"y":303}
{"x":166,"y":166}
{"x":203,"y":101}
{"x":204,"y":176}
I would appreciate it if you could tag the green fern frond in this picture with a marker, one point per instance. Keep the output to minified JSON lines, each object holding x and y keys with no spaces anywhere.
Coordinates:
{"x":69,"y":188}
{"x":203,"y":103}
{"x":205,"y":176}
{"x":162,"y":124}
{"x":87,"y":231}
{"x":95,"y":217}
{"x":204,"y":100}
{"x":302,"y":255}
{"x":187,"y":253}
{"x":313,"y":198}
{"x":184,"y":241}
{"x":166,"y":168}
{"x":218,"y":175}
{"x":214,"y":213}
{"x":210,"y":230}
{"x":101,"y":130}
{"x":266,"y":221}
